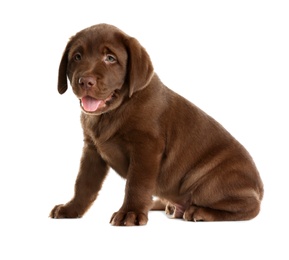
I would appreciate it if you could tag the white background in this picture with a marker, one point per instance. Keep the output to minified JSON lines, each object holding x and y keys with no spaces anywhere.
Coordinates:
{"x":231,"y":58}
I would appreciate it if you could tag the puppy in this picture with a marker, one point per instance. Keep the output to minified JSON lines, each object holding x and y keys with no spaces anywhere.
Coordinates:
{"x":162,"y":144}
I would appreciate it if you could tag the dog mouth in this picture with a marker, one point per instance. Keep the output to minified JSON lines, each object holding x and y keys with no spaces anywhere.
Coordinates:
{"x":91,"y":104}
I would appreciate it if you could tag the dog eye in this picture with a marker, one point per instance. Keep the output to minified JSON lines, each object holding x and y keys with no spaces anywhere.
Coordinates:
{"x":77,"y":57}
{"x":110,"y":58}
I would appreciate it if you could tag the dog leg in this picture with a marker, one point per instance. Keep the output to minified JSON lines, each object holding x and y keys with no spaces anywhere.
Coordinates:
{"x":91,"y":175}
{"x":229,"y":210}
{"x":140,"y":186}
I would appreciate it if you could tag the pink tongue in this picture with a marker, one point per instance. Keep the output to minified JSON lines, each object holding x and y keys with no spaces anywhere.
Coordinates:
{"x":90,"y":104}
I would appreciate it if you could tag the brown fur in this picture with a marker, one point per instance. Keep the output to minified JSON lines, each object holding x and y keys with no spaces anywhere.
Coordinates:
{"x":161,"y":143}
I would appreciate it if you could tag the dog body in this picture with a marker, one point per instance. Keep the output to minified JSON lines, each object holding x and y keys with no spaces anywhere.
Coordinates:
{"x":161,"y":143}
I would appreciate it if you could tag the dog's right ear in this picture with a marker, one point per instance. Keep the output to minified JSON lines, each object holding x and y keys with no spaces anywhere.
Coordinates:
{"x":62,"y":71}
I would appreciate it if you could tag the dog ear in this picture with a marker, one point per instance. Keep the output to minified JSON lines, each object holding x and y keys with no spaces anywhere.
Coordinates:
{"x":62,"y":71}
{"x":140,"y":68}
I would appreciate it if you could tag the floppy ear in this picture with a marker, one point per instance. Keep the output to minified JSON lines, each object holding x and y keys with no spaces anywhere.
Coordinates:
{"x":140,"y":68}
{"x":62,"y":71}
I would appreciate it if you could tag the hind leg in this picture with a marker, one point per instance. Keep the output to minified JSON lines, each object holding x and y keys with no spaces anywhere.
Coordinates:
{"x":195,"y":213}
{"x":229,"y":210}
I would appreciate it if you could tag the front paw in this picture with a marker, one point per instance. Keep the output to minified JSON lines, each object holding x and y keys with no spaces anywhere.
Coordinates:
{"x":130,"y":218}
{"x":64,"y":211}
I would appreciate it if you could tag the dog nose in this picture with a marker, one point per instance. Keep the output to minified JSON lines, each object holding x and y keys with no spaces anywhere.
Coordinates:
{"x":87,"y":82}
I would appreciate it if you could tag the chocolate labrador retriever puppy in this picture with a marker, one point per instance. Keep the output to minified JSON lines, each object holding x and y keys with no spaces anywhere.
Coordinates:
{"x":162,"y":144}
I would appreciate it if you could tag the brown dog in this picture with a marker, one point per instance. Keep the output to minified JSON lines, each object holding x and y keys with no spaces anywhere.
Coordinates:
{"x":161,"y":143}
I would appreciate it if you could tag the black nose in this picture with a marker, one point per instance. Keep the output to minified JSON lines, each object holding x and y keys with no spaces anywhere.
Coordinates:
{"x":87,"y":82}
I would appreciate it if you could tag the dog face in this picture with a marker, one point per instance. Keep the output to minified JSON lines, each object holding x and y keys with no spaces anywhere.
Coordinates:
{"x":103,"y":65}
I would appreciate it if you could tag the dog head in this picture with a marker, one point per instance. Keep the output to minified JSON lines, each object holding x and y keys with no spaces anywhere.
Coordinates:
{"x":104,"y":65}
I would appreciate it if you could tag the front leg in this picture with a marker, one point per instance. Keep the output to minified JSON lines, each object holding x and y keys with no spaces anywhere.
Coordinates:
{"x":88,"y":183}
{"x":140,"y":186}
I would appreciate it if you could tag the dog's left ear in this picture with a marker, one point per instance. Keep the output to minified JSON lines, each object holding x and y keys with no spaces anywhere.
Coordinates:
{"x":140,"y":68}
{"x":62,"y":71}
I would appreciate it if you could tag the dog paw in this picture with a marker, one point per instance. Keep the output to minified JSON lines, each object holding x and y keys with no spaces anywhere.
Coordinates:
{"x":170,"y":209}
{"x":131,"y":218}
{"x":64,"y":211}
{"x":194,"y":213}
{"x":174,"y":211}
